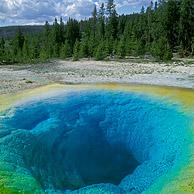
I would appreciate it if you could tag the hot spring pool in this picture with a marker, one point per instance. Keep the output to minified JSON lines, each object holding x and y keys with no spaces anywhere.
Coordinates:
{"x":92,"y":141}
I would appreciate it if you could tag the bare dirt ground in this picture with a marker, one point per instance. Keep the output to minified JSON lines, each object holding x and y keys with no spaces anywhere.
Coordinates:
{"x":14,"y":78}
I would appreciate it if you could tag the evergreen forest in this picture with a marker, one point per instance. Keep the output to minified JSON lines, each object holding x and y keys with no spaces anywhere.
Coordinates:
{"x":160,"y":30}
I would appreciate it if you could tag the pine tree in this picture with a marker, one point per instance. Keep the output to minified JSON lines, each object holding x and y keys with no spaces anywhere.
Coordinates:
{"x":170,"y":22}
{"x":112,"y":25}
{"x":43,"y":54}
{"x":94,"y":20}
{"x":35,"y":49}
{"x":57,"y":38}
{"x":92,"y":44}
{"x":149,"y":21}
{"x":155,"y":6}
{"x":186,"y":23}
{"x":72,"y":32}
{"x":66,"y":50}
{"x":76,"y":51}
{"x":161,"y":49}
{"x":18,"y":43}
{"x":121,"y":52}
{"x":2,"y":49}
{"x":110,"y":8}
{"x":142,"y":10}
{"x":20,"y":39}
{"x":47,"y":42}
{"x":100,"y":52}
{"x":61,"y":31}
{"x":26,"y":50}
{"x":101,"y":22}
{"x":84,"y":50}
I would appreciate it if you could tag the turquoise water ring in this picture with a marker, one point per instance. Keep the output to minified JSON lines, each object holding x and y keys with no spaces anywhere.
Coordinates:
{"x":93,"y":141}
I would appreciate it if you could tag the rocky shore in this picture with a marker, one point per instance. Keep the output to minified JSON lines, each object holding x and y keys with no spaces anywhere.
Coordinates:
{"x":14,"y":78}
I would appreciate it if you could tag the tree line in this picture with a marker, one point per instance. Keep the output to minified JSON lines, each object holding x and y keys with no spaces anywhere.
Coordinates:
{"x":161,"y":29}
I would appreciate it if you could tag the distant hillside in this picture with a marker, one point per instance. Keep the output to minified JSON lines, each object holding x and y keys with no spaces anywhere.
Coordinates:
{"x":10,"y":31}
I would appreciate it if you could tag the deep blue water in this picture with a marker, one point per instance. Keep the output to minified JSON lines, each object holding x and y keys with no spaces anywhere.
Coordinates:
{"x":71,"y":141}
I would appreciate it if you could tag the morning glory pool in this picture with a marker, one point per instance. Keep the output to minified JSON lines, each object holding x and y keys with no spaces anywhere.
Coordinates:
{"x":93,"y":141}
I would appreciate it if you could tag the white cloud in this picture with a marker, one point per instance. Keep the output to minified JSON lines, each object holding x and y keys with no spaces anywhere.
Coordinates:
{"x":17,"y":12}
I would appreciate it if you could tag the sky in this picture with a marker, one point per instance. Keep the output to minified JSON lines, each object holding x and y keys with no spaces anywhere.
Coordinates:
{"x":31,"y":12}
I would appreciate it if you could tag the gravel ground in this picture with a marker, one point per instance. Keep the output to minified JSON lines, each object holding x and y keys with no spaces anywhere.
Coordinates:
{"x":15,"y":78}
